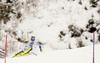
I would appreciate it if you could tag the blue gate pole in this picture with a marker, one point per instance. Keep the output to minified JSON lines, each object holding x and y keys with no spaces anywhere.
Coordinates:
{"x":93,"y":46}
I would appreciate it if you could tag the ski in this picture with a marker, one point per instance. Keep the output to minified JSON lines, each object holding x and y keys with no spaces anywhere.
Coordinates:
{"x":19,"y":55}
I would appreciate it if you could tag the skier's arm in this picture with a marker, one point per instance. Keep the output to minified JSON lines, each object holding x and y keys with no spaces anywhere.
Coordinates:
{"x":26,"y":41}
{"x":40,"y":47}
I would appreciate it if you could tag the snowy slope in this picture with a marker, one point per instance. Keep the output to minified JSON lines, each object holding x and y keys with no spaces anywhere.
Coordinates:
{"x":80,"y":55}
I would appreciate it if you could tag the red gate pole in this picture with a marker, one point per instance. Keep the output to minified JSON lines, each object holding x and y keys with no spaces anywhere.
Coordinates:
{"x":5,"y":48}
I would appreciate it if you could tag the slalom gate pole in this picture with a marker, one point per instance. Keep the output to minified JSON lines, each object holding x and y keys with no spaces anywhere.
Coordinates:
{"x":5,"y":48}
{"x":93,"y":46}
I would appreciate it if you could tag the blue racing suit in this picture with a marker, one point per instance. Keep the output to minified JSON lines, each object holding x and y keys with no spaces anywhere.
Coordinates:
{"x":30,"y":45}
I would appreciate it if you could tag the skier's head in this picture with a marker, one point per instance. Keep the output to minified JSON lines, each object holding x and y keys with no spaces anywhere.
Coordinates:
{"x":32,"y":38}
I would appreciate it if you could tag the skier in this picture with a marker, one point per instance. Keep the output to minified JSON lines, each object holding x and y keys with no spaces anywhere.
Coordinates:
{"x":29,"y":47}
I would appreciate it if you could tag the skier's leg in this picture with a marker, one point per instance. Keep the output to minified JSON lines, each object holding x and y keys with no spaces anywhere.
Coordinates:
{"x":18,"y":53}
{"x":28,"y":50}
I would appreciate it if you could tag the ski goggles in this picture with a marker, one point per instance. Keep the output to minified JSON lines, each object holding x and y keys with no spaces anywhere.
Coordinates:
{"x":33,"y":38}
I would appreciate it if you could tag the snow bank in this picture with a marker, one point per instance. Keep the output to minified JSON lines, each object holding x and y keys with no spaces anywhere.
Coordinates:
{"x":79,"y":55}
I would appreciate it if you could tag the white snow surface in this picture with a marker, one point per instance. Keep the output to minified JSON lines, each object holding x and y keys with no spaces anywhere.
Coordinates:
{"x":78,"y":55}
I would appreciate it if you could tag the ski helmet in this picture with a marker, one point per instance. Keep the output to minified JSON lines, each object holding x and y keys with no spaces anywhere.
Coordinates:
{"x":32,"y":37}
